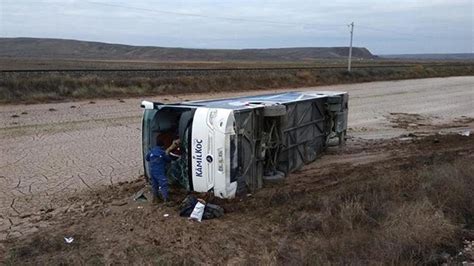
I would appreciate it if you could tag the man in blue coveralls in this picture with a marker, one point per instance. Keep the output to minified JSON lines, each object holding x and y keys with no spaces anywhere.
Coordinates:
{"x":158,"y":158}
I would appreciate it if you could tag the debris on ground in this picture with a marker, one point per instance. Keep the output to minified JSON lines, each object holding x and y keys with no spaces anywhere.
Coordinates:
{"x":465,"y":133}
{"x":211,"y":211}
{"x":144,"y":194}
{"x":187,"y":206}
{"x":119,"y":203}
{"x":69,"y":239}
{"x":198,"y":212}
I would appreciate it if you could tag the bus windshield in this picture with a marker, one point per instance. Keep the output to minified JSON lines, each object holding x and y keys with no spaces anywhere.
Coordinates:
{"x":166,"y":125}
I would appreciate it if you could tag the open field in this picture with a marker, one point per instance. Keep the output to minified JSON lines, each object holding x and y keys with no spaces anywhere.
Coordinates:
{"x":45,"y":64}
{"x":388,"y":195}
{"x":35,"y":64}
{"x":65,"y":80}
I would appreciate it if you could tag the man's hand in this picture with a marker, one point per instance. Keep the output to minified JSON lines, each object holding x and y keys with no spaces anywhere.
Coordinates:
{"x":173,"y":146}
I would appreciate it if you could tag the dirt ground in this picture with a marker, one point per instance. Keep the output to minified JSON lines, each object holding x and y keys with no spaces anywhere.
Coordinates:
{"x":109,"y":227}
{"x":70,"y":169}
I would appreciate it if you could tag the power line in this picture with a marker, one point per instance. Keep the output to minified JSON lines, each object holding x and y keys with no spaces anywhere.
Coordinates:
{"x":234,"y":19}
{"x":269,"y":22}
{"x":396,"y":32}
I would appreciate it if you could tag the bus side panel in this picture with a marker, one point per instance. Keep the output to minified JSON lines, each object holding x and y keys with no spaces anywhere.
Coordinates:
{"x":304,"y":134}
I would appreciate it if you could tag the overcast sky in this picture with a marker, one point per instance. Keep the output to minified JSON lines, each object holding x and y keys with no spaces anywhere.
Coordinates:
{"x":383,"y":26}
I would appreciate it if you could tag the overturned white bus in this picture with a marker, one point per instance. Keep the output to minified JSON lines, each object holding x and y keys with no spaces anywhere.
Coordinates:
{"x":230,"y":146}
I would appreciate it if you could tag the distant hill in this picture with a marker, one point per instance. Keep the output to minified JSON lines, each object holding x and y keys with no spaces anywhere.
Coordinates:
{"x":457,"y":57}
{"x":72,"y":49}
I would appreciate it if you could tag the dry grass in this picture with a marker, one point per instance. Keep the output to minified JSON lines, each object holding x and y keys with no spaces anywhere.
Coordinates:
{"x":396,"y":218}
{"x":37,"y":87}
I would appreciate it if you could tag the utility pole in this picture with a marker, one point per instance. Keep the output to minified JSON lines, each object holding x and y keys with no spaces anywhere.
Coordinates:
{"x":350,"y":47}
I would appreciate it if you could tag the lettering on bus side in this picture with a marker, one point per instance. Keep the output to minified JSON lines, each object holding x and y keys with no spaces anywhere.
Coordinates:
{"x":197,"y":157}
